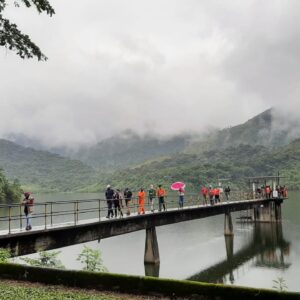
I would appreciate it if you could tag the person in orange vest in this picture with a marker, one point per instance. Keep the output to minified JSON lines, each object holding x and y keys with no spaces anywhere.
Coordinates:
{"x":216,"y":192}
{"x":161,"y":193}
{"x":204,"y":192}
{"x":142,"y":197}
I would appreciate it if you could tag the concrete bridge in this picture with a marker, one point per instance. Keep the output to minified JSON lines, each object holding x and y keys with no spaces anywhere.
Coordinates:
{"x":53,"y":236}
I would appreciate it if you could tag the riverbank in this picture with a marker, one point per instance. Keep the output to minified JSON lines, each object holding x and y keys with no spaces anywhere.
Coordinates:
{"x":125,"y":284}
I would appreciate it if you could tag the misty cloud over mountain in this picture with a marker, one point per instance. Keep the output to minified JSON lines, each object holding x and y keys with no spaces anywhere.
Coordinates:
{"x":153,"y":67}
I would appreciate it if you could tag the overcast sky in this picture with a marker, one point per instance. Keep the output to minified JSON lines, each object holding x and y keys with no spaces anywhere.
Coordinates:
{"x":160,"y":66}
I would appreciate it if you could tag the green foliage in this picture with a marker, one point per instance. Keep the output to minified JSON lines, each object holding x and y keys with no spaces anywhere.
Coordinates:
{"x":13,"y":39}
{"x":14,"y":290}
{"x":162,"y":288}
{"x":9,"y":192}
{"x":43,"y":171}
{"x":46,"y":259}
{"x":92,"y":260}
{"x":280,"y":284}
{"x":234,"y":163}
{"x":4,"y":255}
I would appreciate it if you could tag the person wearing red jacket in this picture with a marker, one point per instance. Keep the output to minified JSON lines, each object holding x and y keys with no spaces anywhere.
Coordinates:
{"x":216,"y":192}
{"x":204,"y":192}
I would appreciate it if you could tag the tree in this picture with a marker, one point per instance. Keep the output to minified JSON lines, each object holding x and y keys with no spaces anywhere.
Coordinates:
{"x":9,"y":192}
{"x":92,"y":260}
{"x":13,"y":39}
{"x":45,"y":259}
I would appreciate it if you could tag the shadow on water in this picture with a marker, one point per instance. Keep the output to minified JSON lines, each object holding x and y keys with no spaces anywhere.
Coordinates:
{"x":267,"y":247}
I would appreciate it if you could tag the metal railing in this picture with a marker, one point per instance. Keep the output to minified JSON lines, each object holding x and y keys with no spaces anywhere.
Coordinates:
{"x":73,"y":212}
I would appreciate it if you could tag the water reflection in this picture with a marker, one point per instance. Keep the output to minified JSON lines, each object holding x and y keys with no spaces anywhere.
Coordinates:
{"x":267,"y":248}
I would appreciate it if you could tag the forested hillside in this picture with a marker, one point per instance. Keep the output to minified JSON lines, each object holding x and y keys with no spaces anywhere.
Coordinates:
{"x":41,"y":170}
{"x":266,"y":129}
{"x":128,"y":149}
{"x":234,"y":163}
{"x":250,"y":149}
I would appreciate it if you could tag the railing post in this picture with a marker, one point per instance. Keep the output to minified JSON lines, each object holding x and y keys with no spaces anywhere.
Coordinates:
{"x":99,"y":210}
{"x":51,"y":211}
{"x":77,"y":211}
{"x":45,"y":211}
{"x":74,"y":213}
{"x":20,"y":213}
{"x":9,"y":219}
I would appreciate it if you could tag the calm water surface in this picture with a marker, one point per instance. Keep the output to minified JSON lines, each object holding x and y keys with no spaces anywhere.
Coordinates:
{"x":257,"y":254}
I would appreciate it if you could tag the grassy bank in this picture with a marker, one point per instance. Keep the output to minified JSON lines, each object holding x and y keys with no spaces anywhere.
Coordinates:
{"x":11,"y":290}
{"x":137,"y":285}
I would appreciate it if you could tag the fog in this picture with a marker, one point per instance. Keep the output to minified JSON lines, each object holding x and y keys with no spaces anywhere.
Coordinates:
{"x":159,"y":67}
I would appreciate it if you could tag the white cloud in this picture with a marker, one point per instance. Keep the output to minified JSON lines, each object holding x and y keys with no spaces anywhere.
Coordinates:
{"x":160,"y":66}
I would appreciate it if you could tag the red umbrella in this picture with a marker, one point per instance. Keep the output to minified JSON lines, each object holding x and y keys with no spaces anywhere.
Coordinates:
{"x":177,"y":185}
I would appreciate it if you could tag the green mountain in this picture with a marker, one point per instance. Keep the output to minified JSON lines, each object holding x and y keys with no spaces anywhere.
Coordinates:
{"x":260,"y":146}
{"x":233,"y":163}
{"x":41,"y":170}
{"x":128,"y":149}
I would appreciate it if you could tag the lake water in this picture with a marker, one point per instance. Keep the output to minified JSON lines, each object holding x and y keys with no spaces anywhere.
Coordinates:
{"x":197,"y":249}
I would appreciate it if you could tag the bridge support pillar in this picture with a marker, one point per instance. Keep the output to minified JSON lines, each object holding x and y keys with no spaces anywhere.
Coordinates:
{"x":151,"y":247}
{"x":228,"y":228}
{"x":269,"y":212}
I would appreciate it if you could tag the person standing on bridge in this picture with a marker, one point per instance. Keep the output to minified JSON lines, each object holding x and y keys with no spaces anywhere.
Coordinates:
{"x":227,"y":193}
{"x":28,"y":203}
{"x":216,"y":192}
{"x":118,"y":203}
{"x":211,"y":195}
{"x":127,"y":196}
{"x":141,"y":199}
{"x":109,"y":195}
{"x":181,"y":197}
{"x":161,"y":193}
{"x":204,"y":192}
{"x":151,"y":196}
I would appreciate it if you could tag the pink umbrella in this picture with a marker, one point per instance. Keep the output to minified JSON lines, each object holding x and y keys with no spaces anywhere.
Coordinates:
{"x":177,"y":185}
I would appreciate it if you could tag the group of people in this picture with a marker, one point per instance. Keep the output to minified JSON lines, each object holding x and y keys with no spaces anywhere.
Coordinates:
{"x":267,"y":191}
{"x":114,"y":199}
{"x":213,"y":194}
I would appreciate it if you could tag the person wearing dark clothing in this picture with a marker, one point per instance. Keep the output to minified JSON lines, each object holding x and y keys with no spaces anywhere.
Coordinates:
{"x":127,"y":197}
{"x":227,"y":193}
{"x":109,"y":195}
{"x":28,"y":209}
{"x":151,"y":196}
{"x":118,"y":203}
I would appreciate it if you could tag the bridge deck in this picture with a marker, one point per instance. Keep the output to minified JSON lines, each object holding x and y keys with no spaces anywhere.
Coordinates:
{"x":64,"y":225}
{"x":45,"y":237}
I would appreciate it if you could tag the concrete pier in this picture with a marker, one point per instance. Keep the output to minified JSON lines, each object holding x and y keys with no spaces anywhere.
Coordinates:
{"x":228,"y":228}
{"x":151,"y":247}
{"x":268,"y":212}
